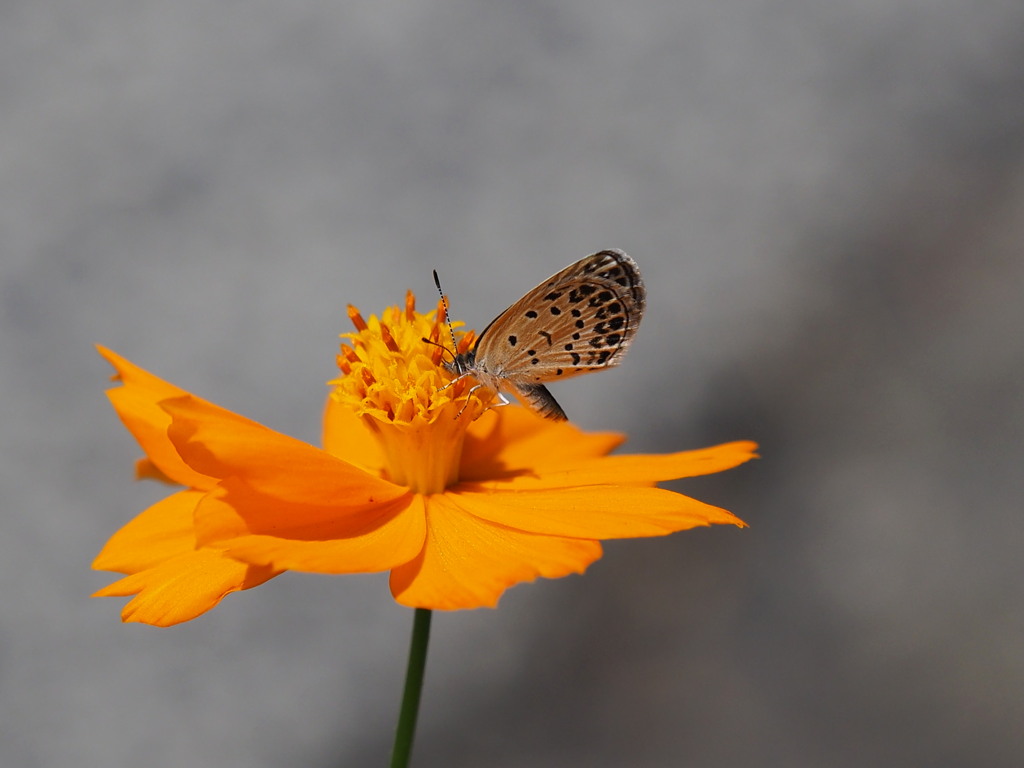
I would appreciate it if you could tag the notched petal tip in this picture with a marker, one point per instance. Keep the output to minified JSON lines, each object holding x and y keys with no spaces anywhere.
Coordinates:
{"x":183,"y":588}
{"x":136,"y":400}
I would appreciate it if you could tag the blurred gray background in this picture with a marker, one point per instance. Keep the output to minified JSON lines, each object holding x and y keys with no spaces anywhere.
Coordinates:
{"x":827,"y":200}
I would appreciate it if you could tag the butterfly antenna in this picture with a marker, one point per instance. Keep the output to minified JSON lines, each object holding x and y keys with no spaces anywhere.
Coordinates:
{"x":447,"y":314}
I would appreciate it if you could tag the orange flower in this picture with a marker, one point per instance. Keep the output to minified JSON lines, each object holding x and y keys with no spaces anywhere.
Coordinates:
{"x":418,"y":476}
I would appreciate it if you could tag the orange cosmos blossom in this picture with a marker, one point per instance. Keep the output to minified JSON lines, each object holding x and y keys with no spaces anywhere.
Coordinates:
{"x":418,"y":476}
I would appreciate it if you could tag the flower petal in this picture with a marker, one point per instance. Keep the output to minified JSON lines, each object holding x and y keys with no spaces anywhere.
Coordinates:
{"x":511,"y":441}
{"x":468,"y":562}
{"x":222,"y":444}
{"x":632,"y":469}
{"x":172,"y":580}
{"x":347,"y":438}
{"x":136,"y":403}
{"x":263,"y":530}
{"x":162,"y":531}
{"x":184,"y":587}
{"x":147,"y":470}
{"x":594,"y":512}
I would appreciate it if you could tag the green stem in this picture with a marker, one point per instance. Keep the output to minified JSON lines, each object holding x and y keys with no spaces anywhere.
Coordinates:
{"x":406,"y":729}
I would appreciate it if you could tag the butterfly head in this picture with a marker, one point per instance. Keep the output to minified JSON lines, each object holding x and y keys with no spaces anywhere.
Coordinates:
{"x":462,"y":363}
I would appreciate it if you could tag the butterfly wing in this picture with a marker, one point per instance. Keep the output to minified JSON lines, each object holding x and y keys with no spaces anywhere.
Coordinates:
{"x":538,"y":399}
{"x":579,"y":320}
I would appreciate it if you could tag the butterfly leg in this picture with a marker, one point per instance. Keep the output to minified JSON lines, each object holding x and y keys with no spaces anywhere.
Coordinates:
{"x":502,"y":400}
{"x":457,"y":379}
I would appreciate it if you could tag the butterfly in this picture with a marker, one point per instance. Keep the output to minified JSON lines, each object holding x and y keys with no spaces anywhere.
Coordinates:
{"x":579,"y":320}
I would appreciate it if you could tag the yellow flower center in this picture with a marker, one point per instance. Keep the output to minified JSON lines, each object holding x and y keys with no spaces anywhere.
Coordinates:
{"x":394,"y":379}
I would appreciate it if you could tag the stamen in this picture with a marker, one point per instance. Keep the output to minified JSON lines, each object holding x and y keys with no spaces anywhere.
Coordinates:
{"x":356,"y":318}
{"x":437,"y":353}
{"x":410,"y":306}
{"x":389,"y":340}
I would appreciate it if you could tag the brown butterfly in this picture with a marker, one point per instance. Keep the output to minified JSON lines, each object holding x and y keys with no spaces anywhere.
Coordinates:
{"x":578,"y":321}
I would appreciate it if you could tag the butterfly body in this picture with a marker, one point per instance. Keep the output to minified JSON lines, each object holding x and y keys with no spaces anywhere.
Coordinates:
{"x":579,"y":320}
